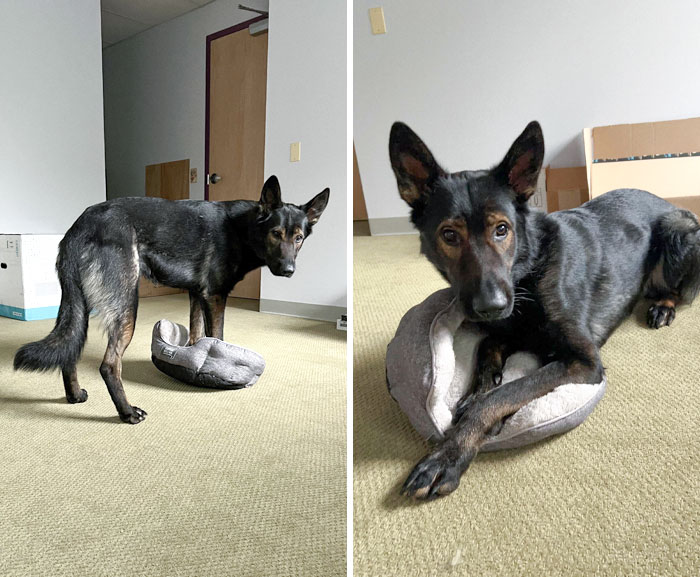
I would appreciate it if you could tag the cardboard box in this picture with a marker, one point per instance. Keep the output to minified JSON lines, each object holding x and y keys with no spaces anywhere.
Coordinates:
{"x":29,"y":287}
{"x":566,"y":188}
{"x":661,"y":157}
{"x":538,"y":200}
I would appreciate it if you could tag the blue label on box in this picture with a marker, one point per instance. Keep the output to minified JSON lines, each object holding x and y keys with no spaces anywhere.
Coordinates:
{"x":35,"y":314}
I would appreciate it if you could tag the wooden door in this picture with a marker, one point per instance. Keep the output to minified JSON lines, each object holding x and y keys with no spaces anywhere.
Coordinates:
{"x":169,"y":180}
{"x":237,"y":94}
{"x":359,"y":209}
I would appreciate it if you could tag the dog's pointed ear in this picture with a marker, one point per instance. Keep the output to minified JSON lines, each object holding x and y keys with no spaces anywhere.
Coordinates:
{"x":413,"y":164}
{"x":521,"y":167}
{"x":271,"y":195}
{"x":315,"y":207}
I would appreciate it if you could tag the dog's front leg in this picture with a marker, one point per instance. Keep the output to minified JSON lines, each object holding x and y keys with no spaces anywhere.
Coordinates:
{"x":196,"y":318}
{"x":214,"y":307}
{"x":439,"y":472}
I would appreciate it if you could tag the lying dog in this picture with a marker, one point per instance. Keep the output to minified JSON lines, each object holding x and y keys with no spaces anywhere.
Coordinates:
{"x":554,"y":284}
{"x":201,"y":246}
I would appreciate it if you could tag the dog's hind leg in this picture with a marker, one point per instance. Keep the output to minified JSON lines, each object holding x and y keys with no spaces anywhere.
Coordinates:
{"x":74,"y":394}
{"x":111,"y":281}
{"x":675,"y":277}
{"x":120,"y":335}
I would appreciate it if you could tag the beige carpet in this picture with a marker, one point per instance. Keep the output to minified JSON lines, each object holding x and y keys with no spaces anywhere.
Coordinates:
{"x":619,"y":495}
{"x":213,"y":483}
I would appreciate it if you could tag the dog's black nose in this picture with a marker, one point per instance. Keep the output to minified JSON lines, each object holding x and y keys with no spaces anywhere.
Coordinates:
{"x":490,"y":304}
{"x":287,"y":270}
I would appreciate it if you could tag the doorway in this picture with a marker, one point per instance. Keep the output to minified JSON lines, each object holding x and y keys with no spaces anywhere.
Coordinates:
{"x":235,"y":123}
{"x":169,"y":180}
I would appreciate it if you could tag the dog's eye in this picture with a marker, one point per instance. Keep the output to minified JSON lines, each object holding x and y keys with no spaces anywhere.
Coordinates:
{"x":298,"y":238}
{"x":450,"y":236}
{"x":501,"y":230}
{"x":276,"y":234}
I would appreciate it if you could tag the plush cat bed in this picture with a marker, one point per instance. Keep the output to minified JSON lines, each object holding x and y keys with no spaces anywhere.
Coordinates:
{"x":429,"y":366}
{"x":209,"y":362}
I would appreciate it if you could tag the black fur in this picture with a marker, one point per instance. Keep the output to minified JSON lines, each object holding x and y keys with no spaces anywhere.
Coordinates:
{"x":554,"y":284}
{"x":200,"y":246}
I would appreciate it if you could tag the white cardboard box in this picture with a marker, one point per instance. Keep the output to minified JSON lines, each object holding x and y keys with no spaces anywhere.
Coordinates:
{"x":29,"y":287}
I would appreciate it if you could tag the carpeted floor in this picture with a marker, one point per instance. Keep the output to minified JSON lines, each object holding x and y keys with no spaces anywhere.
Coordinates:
{"x":619,"y":495}
{"x":213,"y":483}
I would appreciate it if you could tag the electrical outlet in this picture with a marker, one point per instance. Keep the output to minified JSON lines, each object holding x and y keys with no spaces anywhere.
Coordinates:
{"x":376,"y":20}
{"x":193,"y":175}
{"x":295,"y":152}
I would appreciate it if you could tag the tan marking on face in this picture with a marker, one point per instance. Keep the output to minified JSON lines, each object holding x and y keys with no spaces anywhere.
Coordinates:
{"x":273,"y":239}
{"x":297,"y":232}
{"x":492,"y":221}
{"x":452,"y":252}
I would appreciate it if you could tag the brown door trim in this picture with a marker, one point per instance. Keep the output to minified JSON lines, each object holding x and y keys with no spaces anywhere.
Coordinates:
{"x":210,"y":39}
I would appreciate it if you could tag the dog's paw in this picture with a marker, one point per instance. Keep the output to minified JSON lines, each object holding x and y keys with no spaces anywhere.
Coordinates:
{"x":81,"y":398}
{"x":135,"y":417}
{"x":437,"y":474}
{"x":660,"y":316}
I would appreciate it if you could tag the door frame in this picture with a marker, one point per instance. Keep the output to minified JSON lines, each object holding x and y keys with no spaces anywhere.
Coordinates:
{"x":210,"y":39}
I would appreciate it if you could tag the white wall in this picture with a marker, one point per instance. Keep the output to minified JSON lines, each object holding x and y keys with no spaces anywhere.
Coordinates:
{"x":155,"y":93}
{"x":51,"y":128}
{"x":468,"y":76}
{"x":306,"y":101}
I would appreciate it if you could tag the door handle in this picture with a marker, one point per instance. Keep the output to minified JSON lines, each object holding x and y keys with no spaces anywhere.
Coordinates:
{"x":214,"y":178}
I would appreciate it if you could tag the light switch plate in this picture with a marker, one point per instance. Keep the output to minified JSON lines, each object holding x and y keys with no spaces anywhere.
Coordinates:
{"x":295,"y":152}
{"x":193,"y":175}
{"x":376,"y":19}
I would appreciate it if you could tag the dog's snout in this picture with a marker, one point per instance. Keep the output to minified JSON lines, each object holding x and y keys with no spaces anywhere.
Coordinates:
{"x":287,"y":269}
{"x":490,"y":303}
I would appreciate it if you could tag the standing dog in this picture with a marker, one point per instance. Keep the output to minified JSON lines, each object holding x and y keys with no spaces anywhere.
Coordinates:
{"x":201,"y":246}
{"x":554,"y":284}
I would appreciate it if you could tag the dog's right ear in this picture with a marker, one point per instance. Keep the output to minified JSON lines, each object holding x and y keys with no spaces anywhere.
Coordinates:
{"x":414,"y":165}
{"x":271,"y":196}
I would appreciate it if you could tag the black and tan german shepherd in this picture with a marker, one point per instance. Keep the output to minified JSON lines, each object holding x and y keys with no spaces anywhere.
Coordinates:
{"x":200,"y":246}
{"x":554,"y":284}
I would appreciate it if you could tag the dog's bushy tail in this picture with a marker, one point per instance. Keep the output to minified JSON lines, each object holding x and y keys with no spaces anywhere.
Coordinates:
{"x":63,"y":345}
{"x":680,"y":237}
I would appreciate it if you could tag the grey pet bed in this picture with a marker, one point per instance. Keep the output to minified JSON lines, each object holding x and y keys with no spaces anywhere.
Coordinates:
{"x":209,"y":362}
{"x":429,"y":364}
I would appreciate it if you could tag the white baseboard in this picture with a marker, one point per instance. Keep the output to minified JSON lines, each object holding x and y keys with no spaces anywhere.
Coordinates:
{"x":303,"y":310}
{"x":395,"y":225}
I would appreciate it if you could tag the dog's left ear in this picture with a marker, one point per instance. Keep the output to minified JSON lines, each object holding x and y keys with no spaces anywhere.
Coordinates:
{"x":521,"y":166}
{"x":315,"y":207}
{"x":271,"y":195}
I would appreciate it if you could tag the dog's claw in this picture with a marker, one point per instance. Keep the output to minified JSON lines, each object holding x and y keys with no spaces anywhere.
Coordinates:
{"x":660,"y":316}
{"x":435,"y":475}
{"x":461,"y":408}
{"x":135,"y":417}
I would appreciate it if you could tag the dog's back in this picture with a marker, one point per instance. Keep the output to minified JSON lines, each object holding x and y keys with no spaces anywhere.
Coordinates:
{"x":604,"y":255}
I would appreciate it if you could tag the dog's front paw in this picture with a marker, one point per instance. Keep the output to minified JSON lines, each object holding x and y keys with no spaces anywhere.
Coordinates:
{"x":437,"y":474}
{"x":135,"y":417}
{"x":660,"y":316}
